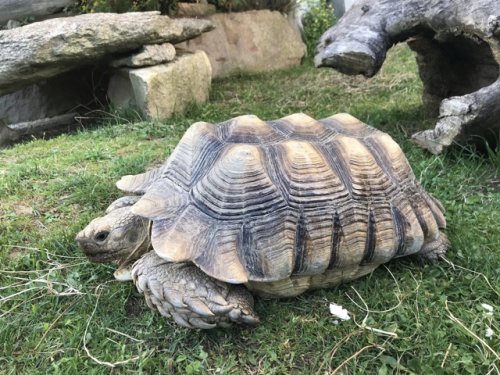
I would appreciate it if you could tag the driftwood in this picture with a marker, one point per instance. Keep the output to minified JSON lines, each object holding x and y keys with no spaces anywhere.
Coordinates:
{"x":19,"y":9}
{"x":458,"y":54}
{"x":45,"y":49}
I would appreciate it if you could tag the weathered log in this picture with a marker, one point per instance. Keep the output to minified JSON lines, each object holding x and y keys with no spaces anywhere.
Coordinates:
{"x":45,"y":49}
{"x":12,"y":133}
{"x":19,"y":9}
{"x":458,"y":54}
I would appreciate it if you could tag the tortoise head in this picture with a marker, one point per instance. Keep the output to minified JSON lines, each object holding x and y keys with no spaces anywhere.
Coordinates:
{"x":118,"y":236}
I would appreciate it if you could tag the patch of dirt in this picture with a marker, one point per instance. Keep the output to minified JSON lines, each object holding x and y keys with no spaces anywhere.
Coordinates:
{"x":15,"y":253}
{"x":22,"y":210}
{"x":134,"y":306}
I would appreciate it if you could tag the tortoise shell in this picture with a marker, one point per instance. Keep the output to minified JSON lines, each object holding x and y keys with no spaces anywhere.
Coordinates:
{"x":298,"y":200}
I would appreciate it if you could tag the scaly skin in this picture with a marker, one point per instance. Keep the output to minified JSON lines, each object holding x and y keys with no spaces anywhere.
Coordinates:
{"x":177,"y":290}
{"x":117,"y":235}
{"x":189,"y":296}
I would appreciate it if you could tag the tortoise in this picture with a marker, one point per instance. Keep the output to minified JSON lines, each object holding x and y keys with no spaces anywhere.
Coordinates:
{"x":272,"y":208}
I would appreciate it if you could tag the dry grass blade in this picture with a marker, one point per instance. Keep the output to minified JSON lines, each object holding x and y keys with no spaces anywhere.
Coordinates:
{"x":347,"y":360}
{"x":453,"y":265}
{"x":400,"y":301}
{"x":124,"y":335}
{"x":446,"y":355}
{"x":54,"y":323}
{"x":493,"y":368}
{"x":337,"y":346}
{"x":363,"y":323}
{"x":456,"y":320}
{"x":104,"y":363}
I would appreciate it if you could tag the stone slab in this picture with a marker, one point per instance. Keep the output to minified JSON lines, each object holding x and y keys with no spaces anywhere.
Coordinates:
{"x":160,"y":91}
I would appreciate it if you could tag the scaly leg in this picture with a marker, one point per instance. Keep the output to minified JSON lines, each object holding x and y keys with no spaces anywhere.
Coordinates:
{"x":192,"y":298}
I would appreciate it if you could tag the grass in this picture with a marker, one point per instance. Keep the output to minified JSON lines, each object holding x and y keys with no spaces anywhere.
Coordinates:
{"x":57,"y":309}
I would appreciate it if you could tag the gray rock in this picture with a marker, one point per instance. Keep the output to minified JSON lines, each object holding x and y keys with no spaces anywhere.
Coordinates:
{"x":162,"y":90}
{"x":47,"y":98}
{"x":254,"y":41}
{"x":45,"y":49}
{"x":153,"y":54}
{"x":19,"y":9}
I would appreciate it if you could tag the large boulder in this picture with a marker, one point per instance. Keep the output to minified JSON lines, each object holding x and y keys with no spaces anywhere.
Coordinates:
{"x":48,"y":48}
{"x":162,"y":90}
{"x":254,"y":41}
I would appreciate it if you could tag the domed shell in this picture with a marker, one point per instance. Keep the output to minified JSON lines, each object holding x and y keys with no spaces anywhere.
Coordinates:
{"x":249,"y":200}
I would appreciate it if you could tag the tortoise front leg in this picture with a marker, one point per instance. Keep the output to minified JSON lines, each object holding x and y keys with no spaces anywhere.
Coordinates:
{"x":192,"y":298}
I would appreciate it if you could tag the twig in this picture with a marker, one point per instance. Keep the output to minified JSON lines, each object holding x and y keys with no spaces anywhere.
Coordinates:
{"x":446,"y":355}
{"x":456,"y":320}
{"x":109,"y":364}
{"x":354,"y":356}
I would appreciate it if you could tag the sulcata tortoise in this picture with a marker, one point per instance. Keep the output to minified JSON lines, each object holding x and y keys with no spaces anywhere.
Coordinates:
{"x":274,"y":208}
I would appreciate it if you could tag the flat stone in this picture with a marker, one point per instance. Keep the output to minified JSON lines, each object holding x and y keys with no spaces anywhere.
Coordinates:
{"x":45,"y":49}
{"x":253,"y":41}
{"x":152,"y":54}
{"x":160,"y":91}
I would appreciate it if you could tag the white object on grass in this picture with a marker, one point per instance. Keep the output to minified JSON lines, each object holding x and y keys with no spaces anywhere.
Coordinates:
{"x":489,"y":333}
{"x":339,"y":312}
{"x":488,"y":308}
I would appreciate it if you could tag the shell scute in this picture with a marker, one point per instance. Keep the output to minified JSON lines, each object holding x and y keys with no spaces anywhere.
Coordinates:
{"x":248,"y":129}
{"x":238,"y":185}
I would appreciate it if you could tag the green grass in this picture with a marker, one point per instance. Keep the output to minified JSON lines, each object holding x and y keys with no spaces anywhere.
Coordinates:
{"x":53,"y":301}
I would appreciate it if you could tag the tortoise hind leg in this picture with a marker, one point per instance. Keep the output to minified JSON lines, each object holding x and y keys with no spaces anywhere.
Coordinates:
{"x":434,"y":250}
{"x":189,"y":296}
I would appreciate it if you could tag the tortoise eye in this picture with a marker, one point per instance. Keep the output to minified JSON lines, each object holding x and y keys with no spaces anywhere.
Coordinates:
{"x":101,"y":236}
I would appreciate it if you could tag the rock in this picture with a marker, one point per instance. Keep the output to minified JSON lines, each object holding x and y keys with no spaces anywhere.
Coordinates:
{"x":48,"y":48}
{"x":194,"y":10}
{"x":19,"y":9}
{"x":254,"y":41}
{"x":51,"y":105}
{"x":162,"y":90}
{"x":50,"y":97}
{"x":152,"y":54}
